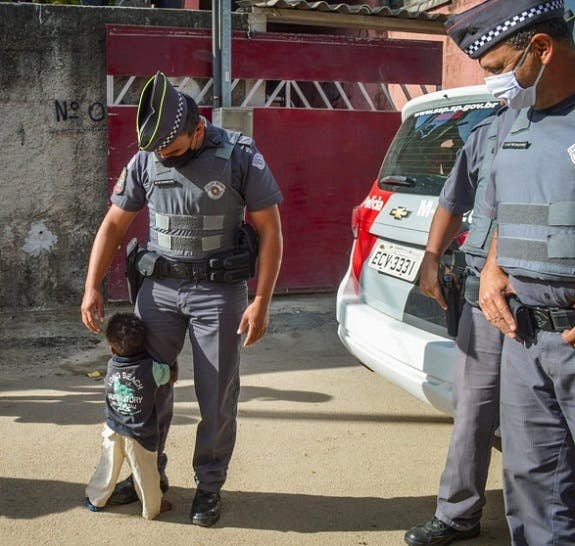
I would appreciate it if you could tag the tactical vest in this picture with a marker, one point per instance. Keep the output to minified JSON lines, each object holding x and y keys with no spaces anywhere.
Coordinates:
{"x":194,"y":211}
{"x":482,"y":227}
{"x":130,"y":400}
{"x":535,"y":172}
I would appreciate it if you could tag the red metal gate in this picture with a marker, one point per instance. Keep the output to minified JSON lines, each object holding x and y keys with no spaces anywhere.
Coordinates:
{"x":323,"y":116}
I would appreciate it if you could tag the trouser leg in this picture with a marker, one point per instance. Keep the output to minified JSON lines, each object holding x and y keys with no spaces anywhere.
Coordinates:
{"x":104,"y":479}
{"x":144,"y":466}
{"x":476,"y":417}
{"x":214,"y":319}
{"x":166,"y":326}
{"x":165,"y":412}
{"x":537,"y":421}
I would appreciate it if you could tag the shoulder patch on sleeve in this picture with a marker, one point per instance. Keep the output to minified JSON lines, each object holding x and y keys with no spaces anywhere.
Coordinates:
{"x":120,"y":183}
{"x":258,"y":161}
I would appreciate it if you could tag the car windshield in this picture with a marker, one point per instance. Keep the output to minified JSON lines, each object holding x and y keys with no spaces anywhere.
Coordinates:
{"x":425,"y":147}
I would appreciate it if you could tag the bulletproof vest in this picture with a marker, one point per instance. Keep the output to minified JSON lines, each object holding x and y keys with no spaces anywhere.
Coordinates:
{"x":130,"y":395}
{"x":480,"y":233}
{"x":194,"y":210}
{"x":482,"y":227}
{"x":535,"y":174}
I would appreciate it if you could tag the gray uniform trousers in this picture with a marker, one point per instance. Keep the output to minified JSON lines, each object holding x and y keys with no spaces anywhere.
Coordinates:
{"x":476,"y":411}
{"x":538,"y":425}
{"x":210,"y":314}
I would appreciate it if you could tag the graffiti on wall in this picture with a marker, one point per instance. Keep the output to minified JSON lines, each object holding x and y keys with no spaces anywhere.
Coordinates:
{"x":69,"y":110}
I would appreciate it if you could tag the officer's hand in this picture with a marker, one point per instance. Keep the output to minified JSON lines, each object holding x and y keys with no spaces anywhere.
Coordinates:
{"x":255,"y":320}
{"x":429,"y":279}
{"x":93,"y":310}
{"x":493,"y":288}
{"x":568,"y":336}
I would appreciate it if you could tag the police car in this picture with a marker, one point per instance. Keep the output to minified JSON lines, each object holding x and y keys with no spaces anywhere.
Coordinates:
{"x":384,"y":320}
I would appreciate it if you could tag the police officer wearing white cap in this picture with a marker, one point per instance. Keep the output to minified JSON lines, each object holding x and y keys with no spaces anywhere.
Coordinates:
{"x":197,"y":181}
{"x":528,"y":285}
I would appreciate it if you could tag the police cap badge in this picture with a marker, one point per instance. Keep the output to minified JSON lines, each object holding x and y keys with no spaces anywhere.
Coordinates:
{"x":482,"y":27}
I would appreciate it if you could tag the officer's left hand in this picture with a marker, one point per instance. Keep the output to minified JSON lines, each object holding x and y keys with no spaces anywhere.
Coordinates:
{"x":255,"y":320}
{"x":568,"y":337}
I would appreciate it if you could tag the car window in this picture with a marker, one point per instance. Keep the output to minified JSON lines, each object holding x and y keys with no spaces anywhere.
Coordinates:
{"x":424,"y":149}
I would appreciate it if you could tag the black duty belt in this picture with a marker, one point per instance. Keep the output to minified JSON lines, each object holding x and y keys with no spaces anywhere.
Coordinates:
{"x":531,"y":319}
{"x":197,"y":271}
{"x":215,"y":270}
{"x":219,"y":268}
{"x":548,"y":319}
{"x":553,"y":320}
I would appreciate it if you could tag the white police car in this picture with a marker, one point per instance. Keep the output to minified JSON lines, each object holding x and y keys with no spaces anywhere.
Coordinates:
{"x":384,"y":320}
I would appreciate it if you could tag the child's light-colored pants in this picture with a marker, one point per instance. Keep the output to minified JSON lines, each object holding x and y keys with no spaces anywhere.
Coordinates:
{"x":143,"y":464}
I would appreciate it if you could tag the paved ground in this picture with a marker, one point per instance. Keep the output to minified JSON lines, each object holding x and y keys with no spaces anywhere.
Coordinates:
{"x":328,"y":453}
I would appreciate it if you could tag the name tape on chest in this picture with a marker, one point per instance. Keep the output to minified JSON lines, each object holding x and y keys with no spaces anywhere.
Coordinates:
{"x":514,"y":145}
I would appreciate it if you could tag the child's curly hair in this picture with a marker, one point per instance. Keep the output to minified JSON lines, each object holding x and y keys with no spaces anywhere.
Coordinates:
{"x":126,"y":334}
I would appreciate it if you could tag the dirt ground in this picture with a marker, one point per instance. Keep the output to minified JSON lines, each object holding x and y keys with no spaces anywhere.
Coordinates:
{"x":328,"y":453}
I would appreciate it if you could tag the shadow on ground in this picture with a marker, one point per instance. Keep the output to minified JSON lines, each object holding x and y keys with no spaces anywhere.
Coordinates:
{"x":64,"y":401}
{"x":284,"y":512}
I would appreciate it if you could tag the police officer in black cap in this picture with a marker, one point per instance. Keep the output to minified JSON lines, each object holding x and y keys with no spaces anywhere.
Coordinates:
{"x":527,"y":285}
{"x":197,"y":181}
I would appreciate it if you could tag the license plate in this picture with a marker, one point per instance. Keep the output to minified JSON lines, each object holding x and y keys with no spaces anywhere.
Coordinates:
{"x":396,"y":260}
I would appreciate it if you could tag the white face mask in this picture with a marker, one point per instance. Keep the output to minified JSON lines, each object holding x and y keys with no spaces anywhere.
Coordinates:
{"x":505,"y":86}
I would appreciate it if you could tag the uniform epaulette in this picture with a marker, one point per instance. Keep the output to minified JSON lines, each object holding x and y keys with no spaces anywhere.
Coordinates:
{"x":246,"y":142}
{"x":226,"y":148}
{"x":489,"y":119}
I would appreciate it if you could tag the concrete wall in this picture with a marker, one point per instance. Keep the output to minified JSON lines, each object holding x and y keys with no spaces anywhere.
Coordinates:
{"x":53,"y":143}
{"x":53,"y":139}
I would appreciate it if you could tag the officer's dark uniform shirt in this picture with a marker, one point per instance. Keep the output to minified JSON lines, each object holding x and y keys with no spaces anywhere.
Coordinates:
{"x":460,"y":190}
{"x":251,"y":176}
{"x":458,"y":193}
{"x":536,"y":166}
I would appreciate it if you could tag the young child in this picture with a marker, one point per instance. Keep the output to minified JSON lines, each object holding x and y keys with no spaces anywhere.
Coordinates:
{"x":131,"y":428}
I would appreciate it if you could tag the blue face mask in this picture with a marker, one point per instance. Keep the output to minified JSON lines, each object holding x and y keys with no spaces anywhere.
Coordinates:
{"x":505,"y":86}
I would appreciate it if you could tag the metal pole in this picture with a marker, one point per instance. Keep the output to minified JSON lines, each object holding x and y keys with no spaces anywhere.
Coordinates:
{"x":216,"y":53}
{"x":226,"y":53}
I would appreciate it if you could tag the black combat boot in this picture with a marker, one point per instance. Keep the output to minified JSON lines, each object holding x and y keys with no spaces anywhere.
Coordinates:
{"x":437,"y":533}
{"x":205,"y":508}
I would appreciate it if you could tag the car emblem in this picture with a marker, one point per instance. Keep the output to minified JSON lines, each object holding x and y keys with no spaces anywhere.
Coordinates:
{"x":399,"y":213}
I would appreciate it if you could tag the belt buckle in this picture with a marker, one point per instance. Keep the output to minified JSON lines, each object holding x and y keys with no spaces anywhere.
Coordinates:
{"x":543,"y":319}
{"x":179,"y":270}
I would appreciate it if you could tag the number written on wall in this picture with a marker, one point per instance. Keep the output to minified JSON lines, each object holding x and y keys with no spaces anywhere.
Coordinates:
{"x":67,"y":110}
